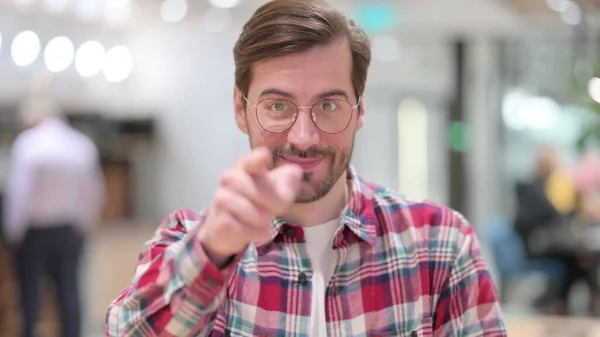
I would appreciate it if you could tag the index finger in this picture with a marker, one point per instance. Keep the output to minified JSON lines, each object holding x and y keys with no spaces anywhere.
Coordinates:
{"x":257,"y":161}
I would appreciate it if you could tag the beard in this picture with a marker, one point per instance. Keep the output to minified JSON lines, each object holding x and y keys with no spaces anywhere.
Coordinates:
{"x":310,"y":190}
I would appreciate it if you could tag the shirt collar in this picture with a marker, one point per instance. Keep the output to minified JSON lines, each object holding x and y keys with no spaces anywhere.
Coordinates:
{"x":359,"y":217}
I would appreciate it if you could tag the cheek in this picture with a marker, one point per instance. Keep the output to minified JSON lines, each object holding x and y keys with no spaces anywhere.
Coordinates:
{"x":340,"y":141}
{"x":261,"y":137}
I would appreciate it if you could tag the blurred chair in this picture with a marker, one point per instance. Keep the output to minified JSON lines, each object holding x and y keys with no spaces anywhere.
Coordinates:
{"x":511,"y":257}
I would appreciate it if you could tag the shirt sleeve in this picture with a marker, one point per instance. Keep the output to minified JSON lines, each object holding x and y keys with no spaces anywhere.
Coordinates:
{"x":468,"y":304}
{"x":18,"y":191}
{"x":176,"y":290}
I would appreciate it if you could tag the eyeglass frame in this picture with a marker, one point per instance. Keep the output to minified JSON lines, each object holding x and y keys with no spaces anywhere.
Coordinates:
{"x":255,"y":106}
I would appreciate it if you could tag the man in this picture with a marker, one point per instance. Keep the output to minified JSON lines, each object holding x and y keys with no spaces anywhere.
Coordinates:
{"x":54,"y":190}
{"x":295,"y":242}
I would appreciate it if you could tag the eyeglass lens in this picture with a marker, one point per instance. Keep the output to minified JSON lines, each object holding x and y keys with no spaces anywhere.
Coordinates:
{"x":330,"y":116}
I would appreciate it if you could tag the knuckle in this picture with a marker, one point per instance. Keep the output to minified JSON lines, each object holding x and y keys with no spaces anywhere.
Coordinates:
{"x":221,"y":197}
{"x":227,"y":177}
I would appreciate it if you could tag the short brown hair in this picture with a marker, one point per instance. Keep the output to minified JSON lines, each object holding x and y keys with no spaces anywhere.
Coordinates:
{"x":282,"y":27}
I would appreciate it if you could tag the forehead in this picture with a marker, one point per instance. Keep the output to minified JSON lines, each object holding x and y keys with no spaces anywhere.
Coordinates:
{"x":317,"y":70}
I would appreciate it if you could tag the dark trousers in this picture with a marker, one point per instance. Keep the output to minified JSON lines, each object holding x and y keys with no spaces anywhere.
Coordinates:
{"x":55,"y":252}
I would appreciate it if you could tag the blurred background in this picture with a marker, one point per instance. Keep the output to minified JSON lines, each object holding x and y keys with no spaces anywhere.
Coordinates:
{"x":489,"y":106}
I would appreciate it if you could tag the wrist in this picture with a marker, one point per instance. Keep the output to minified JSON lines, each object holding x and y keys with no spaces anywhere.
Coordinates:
{"x":219,"y":258}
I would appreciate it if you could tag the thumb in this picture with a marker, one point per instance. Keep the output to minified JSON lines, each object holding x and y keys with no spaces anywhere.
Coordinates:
{"x":286,"y":182}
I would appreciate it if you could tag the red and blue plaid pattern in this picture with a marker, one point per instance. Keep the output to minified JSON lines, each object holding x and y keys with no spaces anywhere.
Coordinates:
{"x":405,"y":268}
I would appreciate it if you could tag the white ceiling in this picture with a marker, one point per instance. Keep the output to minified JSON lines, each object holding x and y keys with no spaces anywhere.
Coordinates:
{"x":419,"y":18}
{"x":460,"y":17}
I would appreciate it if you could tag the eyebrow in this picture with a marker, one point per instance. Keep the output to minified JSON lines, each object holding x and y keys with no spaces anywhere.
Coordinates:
{"x":288,"y":95}
{"x":335,"y":92}
{"x":277,"y":92}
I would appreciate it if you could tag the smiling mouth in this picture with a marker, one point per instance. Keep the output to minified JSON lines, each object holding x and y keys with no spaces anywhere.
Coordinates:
{"x":304,"y":163}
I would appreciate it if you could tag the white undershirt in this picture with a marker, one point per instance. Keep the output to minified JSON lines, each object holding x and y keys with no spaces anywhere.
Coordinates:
{"x":319,"y":240}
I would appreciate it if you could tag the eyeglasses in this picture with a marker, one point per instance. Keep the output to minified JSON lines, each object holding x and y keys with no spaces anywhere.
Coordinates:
{"x":329,"y":115}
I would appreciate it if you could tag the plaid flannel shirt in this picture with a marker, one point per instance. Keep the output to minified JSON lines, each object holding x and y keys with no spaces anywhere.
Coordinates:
{"x":404,"y":268}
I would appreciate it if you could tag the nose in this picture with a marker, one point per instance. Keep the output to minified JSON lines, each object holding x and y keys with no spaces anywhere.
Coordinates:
{"x":304,"y":133}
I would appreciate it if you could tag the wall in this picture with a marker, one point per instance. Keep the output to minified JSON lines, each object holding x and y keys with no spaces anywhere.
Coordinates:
{"x":198,"y":137}
{"x":184,"y":77}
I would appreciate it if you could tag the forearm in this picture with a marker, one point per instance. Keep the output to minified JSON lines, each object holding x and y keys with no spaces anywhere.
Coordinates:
{"x":177,"y":290}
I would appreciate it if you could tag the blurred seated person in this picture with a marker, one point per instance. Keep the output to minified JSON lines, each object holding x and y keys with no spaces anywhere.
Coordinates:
{"x":535,"y":208}
{"x":547,"y":208}
{"x":54,"y":190}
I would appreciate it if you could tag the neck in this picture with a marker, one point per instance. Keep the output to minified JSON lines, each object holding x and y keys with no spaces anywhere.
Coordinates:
{"x":325,"y":209}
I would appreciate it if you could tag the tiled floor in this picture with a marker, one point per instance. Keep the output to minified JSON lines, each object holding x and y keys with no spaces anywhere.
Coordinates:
{"x":111,"y":258}
{"x":552,"y":327}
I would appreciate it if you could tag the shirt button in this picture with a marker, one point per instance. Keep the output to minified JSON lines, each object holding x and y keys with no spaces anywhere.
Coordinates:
{"x":302,"y":279}
{"x":290,"y":232}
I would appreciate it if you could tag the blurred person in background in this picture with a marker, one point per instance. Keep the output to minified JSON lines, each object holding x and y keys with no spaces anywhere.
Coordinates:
{"x":54,"y":192}
{"x":548,"y":212}
{"x":577,"y":208}
{"x":587,"y":173}
{"x":588,"y":222}
{"x":296,"y":243}
{"x":541,"y":201}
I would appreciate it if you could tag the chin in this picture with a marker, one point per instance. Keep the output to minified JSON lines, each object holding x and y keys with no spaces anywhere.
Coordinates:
{"x":313,"y":190}
{"x":308,"y":196}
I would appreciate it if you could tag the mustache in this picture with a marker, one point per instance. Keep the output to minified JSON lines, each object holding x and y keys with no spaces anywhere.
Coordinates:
{"x":312,"y":152}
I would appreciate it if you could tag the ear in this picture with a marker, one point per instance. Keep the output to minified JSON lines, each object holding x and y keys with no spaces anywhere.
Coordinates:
{"x":239,"y":105}
{"x":361,"y":114}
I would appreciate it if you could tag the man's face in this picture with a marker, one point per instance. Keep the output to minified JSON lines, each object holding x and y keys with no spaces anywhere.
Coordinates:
{"x":305,"y":79}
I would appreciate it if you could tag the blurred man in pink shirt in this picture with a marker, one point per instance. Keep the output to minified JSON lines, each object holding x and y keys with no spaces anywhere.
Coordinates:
{"x":54,"y":191}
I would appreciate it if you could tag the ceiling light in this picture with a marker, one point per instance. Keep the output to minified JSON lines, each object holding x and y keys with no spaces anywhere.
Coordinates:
{"x":25,"y":48}
{"x":118,"y":64}
{"x":89,"y":60}
{"x":59,"y":54}
{"x":224,"y":3}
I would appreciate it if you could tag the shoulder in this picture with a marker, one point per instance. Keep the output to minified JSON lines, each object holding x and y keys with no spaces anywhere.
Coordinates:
{"x":82,"y":139}
{"x":23,"y":146}
{"x":427,"y":220}
{"x":172,"y":230}
{"x":177,"y":225}
{"x":22,"y":140}
{"x":185,"y":220}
